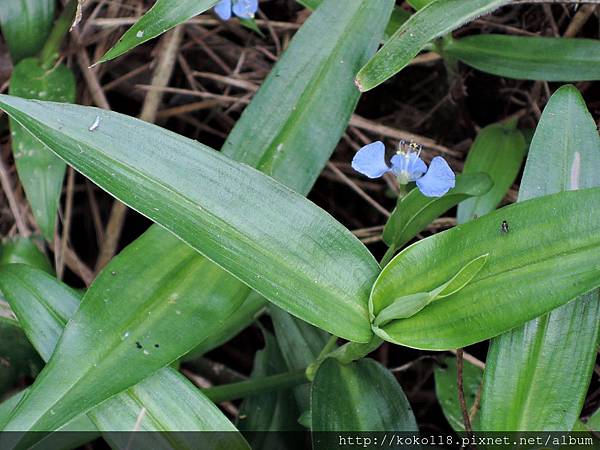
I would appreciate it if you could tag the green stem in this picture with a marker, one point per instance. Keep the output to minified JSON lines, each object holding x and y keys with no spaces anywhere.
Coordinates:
{"x":353,"y":351}
{"x":387,"y":257}
{"x":328,"y":347}
{"x":51,"y":50}
{"x":256,"y":386}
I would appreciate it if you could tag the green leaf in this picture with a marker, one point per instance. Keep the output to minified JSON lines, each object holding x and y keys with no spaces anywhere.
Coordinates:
{"x":398,"y":17}
{"x":164,"y":15}
{"x":23,"y":250}
{"x":498,"y":150}
{"x":290,"y":142}
{"x":64,"y":440}
{"x":40,"y":171}
{"x":8,"y":405}
{"x":300,"y":345}
{"x":415,"y":212}
{"x":252,"y":226}
{"x":246,"y":314}
{"x":138,"y":283}
{"x":446,"y":391}
{"x":434,"y":20}
{"x":419,"y":4}
{"x":272,"y":412}
{"x":112,"y":346}
{"x":25,"y":25}
{"x":529,"y":57}
{"x":310,"y":4}
{"x":50,"y":304}
{"x":44,"y":305}
{"x":312,"y":83}
{"x":548,"y":257}
{"x":17,"y":357}
{"x":527,"y":366}
{"x":361,"y":396}
{"x":251,"y":25}
{"x":171,"y":403}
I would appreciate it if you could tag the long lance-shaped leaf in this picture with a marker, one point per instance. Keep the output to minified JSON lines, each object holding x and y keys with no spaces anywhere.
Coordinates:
{"x":48,"y":303}
{"x":432,"y":21}
{"x":498,"y":150}
{"x":300,"y":345}
{"x":279,"y":147}
{"x":263,"y":417}
{"x":360,"y":396}
{"x":41,"y":172}
{"x":44,"y":305}
{"x":355,"y":15}
{"x":546,"y":254}
{"x":73,"y":435}
{"x":305,"y":102}
{"x":537,"y":375}
{"x":398,"y":17}
{"x":124,"y":336}
{"x":18,"y":356}
{"x":26,"y":25}
{"x":530,"y":57}
{"x":278,"y":143}
{"x":164,"y":15}
{"x":255,"y":228}
{"x":24,"y":251}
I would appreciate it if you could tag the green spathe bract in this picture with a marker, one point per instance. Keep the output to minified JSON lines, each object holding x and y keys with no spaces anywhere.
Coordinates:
{"x":551,"y":259}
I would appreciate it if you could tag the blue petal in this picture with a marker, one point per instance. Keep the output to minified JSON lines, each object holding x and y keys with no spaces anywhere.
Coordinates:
{"x":370,"y":160}
{"x":438,"y":180}
{"x":413,"y":165}
{"x":223,"y":9}
{"x":245,"y":8}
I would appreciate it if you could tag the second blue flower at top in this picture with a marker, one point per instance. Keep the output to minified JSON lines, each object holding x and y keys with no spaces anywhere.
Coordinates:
{"x":244,"y":9}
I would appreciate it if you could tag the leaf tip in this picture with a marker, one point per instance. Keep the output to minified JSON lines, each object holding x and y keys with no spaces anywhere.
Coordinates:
{"x":359,"y":85}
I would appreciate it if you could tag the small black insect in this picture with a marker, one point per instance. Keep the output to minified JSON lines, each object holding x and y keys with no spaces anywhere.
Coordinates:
{"x":138,"y":345}
{"x":156,"y":345}
{"x":504,"y":227}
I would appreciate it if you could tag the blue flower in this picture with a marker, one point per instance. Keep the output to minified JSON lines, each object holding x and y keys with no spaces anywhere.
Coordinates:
{"x":407,"y":166}
{"x":244,"y":9}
